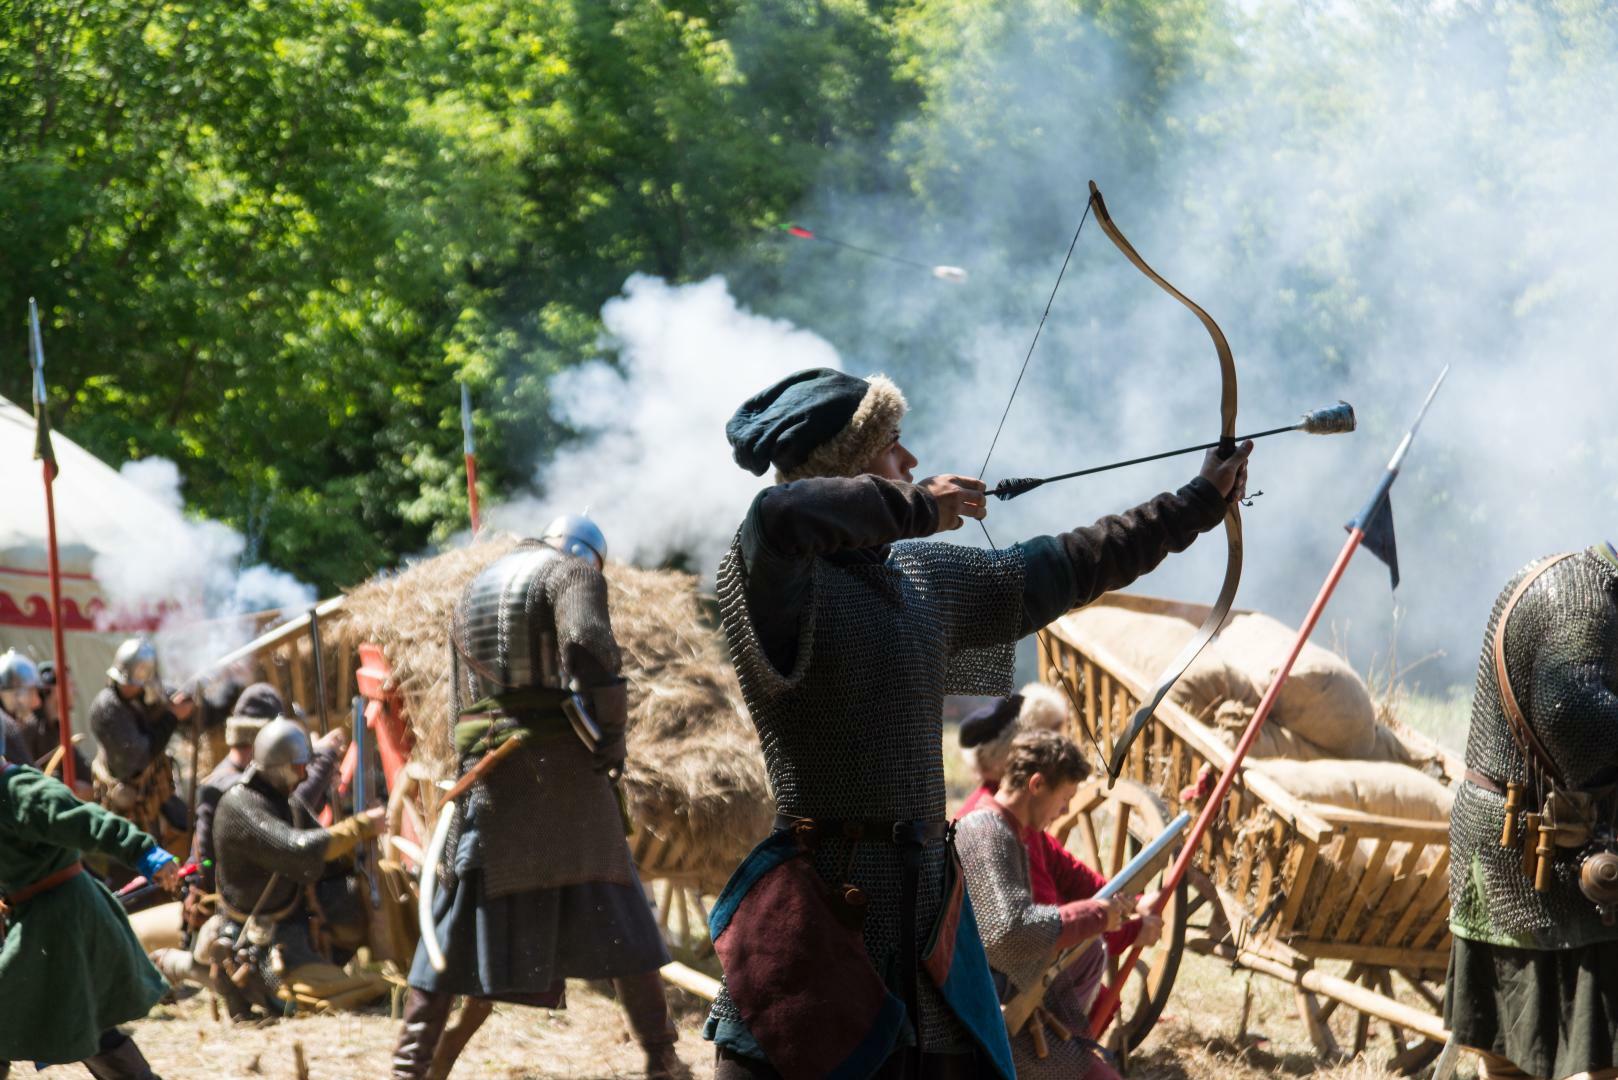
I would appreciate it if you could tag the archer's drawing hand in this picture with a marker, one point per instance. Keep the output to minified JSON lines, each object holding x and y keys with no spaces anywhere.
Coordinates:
{"x":1229,"y":475}
{"x":958,"y":498}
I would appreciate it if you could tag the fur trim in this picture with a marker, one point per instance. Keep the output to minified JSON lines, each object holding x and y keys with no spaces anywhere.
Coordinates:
{"x":867,"y":433}
{"x":1044,"y":708}
{"x":242,"y":730}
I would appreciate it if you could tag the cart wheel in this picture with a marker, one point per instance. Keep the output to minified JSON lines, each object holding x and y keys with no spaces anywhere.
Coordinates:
{"x":1340,"y":1032}
{"x":1106,"y":829}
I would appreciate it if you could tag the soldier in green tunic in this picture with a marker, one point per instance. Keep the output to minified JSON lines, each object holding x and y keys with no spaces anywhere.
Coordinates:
{"x":70,"y":966}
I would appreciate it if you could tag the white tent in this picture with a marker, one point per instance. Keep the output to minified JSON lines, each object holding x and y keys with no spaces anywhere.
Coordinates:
{"x":96,"y":510}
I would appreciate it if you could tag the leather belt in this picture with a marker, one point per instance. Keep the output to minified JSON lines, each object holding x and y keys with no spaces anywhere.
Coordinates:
{"x":44,"y":884}
{"x":1486,"y":782}
{"x":869,"y":830}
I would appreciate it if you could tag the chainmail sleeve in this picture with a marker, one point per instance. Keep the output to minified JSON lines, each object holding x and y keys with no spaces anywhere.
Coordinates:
{"x":577,"y":593}
{"x":246,"y":828}
{"x":1018,"y":934}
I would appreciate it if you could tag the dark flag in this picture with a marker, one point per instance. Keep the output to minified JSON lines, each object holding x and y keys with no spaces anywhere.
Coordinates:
{"x":43,"y":451}
{"x":1379,"y":539}
{"x":1375,"y":521}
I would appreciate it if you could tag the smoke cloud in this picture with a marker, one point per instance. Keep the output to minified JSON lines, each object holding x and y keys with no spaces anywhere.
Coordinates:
{"x":189,"y":573}
{"x":654,"y":468}
{"x":1359,"y":194}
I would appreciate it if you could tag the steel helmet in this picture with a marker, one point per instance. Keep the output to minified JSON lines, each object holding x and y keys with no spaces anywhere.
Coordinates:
{"x":281,"y":742}
{"x":135,"y":663}
{"x":17,"y":672}
{"x":575,"y":534}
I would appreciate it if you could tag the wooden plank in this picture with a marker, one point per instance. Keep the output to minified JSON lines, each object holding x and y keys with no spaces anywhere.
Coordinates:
{"x":1330,"y":896}
{"x":1090,"y":721}
{"x":1299,"y":877}
{"x":1268,"y":868}
{"x":1434,"y":891}
{"x":1437,"y":916}
{"x":1375,"y":826}
{"x":1431,"y":960}
{"x":1351,"y":994}
{"x":690,"y":980}
{"x":1404,"y":886}
{"x":1362,"y":895}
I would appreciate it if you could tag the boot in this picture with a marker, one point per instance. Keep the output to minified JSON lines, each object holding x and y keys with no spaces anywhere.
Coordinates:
{"x":648,"y":1013}
{"x":424,"y":1016}
{"x":119,"y":1059}
{"x":473,"y":1012}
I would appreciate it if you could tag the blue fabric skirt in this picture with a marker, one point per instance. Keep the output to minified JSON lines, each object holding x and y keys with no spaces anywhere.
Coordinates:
{"x":520,"y":948}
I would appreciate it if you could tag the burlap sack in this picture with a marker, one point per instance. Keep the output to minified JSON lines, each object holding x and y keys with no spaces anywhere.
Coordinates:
{"x":1372,"y":787}
{"x":1324,"y":699}
{"x":1145,"y":643}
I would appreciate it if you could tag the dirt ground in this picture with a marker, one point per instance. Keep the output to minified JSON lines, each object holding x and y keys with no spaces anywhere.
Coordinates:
{"x":1197,"y":1039}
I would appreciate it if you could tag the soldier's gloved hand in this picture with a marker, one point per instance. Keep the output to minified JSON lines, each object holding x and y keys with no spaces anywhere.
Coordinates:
{"x":610,"y":755}
{"x":347,"y":834}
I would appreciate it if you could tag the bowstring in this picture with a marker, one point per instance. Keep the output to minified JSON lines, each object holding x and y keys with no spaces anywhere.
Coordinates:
{"x":1029,"y":355}
{"x":1039,"y":632}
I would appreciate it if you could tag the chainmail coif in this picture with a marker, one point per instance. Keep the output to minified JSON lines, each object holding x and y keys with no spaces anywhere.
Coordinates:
{"x":1562,"y":657}
{"x":855,"y":730}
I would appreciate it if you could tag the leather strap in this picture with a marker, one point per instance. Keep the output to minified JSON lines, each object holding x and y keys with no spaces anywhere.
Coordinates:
{"x":1527,"y":741}
{"x":45,"y":884}
{"x":870,"y":830}
{"x":1486,"y":782}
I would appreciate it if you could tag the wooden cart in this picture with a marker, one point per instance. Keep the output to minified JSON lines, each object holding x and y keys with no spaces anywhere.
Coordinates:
{"x":1349,"y":908}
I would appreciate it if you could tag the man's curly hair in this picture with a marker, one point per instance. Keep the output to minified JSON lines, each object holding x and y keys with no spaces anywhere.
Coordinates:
{"x":1055,"y":757}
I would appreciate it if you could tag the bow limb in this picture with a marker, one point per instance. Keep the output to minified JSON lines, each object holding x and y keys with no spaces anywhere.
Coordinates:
{"x":1233,"y":519}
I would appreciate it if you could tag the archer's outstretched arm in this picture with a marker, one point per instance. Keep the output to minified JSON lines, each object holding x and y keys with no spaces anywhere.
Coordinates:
{"x":1073,"y":568}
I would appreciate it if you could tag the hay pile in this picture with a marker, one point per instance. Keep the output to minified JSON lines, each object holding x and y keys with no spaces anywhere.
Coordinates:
{"x":695,"y":777}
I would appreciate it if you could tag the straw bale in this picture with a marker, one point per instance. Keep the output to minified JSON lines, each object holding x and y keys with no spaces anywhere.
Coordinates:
{"x":695,"y":776}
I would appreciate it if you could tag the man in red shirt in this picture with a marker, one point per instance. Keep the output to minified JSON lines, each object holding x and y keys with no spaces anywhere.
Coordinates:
{"x":1024,"y":924}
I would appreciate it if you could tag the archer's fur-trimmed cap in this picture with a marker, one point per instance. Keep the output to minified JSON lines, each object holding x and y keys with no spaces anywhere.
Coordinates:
{"x":1043,"y":708}
{"x":816,"y":422}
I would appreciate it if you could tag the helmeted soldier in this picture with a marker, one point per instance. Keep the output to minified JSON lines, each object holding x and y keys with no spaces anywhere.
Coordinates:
{"x":846,"y":641}
{"x":1533,"y":850}
{"x":268,"y":856}
{"x":45,"y":729}
{"x":255,"y":707}
{"x":539,"y":886}
{"x":19,"y":697}
{"x":132,"y":720}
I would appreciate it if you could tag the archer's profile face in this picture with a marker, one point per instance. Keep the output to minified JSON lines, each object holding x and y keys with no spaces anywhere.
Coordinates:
{"x":894,"y":463}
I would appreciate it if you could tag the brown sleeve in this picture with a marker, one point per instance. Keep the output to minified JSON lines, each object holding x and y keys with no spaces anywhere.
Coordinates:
{"x":1074,"y":568}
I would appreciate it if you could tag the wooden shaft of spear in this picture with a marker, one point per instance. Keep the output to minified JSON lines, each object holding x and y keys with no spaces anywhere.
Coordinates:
{"x":64,"y":718}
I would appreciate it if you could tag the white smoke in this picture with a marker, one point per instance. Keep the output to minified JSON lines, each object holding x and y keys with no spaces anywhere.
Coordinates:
{"x":654,"y":468}
{"x":188,"y":573}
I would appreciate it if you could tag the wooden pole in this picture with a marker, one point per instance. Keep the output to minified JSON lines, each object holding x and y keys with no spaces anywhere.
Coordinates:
{"x":64,"y":702}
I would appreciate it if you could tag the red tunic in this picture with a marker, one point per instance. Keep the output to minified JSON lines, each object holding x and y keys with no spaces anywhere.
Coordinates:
{"x":1055,"y":876}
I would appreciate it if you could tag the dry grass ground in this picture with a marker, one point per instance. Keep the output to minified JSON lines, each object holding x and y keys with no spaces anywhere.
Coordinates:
{"x":1199,"y":1038}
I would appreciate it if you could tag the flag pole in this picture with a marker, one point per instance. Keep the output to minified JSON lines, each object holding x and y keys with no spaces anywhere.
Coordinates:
{"x":1106,"y":1005}
{"x":470,"y":449}
{"x":47,"y":457}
